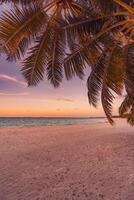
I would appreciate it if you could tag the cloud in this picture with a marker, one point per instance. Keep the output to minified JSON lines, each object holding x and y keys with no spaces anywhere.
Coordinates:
{"x":64,"y":99}
{"x":13,"y":94}
{"x":13,"y":79}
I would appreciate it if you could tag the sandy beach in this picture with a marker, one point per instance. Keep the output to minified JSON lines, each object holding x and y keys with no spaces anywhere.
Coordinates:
{"x":76,"y":162}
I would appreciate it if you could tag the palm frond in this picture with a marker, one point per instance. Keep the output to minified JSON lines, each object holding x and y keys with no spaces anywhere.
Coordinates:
{"x":21,"y":2}
{"x":130,"y":117}
{"x":112,"y":80}
{"x":74,"y":66}
{"x":19,"y":24}
{"x":94,"y":82}
{"x":107,"y":99}
{"x":55,"y":64}
{"x":33,"y":69}
{"x":104,"y":5}
{"x":126,"y":105}
{"x":84,"y":25}
{"x":125,"y":5}
{"x":127,"y":109}
{"x":115,"y":70}
{"x":129,"y":67}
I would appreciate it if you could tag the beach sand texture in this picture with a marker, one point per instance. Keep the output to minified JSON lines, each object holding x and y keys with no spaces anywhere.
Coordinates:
{"x":77,"y":162}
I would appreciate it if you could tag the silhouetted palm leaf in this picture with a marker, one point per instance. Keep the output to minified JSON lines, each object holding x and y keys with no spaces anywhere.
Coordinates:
{"x":94,"y":82}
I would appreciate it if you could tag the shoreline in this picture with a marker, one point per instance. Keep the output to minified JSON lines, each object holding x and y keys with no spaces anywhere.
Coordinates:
{"x":119,"y":122}
{"x":62,"y":125}
{"x":35,"y":122}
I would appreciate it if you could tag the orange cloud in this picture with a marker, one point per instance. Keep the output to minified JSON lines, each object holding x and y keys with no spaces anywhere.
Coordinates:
{"x":13,"y":94}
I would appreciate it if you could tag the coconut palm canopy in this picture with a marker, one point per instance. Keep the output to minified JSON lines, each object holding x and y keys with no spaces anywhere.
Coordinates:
{"x":62,"y":37}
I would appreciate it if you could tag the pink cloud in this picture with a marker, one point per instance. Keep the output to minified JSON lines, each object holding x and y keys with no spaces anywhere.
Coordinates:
{"x":13,"y":79}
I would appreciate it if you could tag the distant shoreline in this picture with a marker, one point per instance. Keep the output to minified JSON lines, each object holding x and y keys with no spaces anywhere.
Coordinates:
{"x":53,"y":117}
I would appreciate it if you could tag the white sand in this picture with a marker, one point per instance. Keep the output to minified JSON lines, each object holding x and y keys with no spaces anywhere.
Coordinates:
{"x":79,"y":162}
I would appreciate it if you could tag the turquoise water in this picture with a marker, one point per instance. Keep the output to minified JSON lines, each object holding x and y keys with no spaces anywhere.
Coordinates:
{"x":45,"y":121}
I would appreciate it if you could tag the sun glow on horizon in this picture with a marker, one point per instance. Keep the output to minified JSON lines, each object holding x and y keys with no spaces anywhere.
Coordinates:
{"x":28,"y":107}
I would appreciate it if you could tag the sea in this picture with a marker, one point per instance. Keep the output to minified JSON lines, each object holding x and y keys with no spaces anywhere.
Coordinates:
{"x":48,"y":121}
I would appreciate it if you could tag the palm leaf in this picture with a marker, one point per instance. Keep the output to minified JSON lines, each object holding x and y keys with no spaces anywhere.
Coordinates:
{"x":73,"y":68}
{"x":55,"y":63}
{"x":107,"y":99}
{"x":21,"y":2}
{"x":112,"y":82}
{"x":33,"y":68}
{"x":129,"y":67}
{"x":17,"y":24}
{"x":94,"y":82}
{"x":127,"y":109}
{"x":126,"y":105}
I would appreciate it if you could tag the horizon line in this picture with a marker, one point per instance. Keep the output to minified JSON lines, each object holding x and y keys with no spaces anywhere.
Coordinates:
{"x":51,"y":117}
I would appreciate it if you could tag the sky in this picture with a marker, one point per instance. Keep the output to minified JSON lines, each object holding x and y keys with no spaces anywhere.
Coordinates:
{"x":70,"y":99}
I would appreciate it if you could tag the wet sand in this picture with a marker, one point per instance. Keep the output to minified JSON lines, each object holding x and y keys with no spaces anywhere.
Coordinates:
{"x":77,"y":162}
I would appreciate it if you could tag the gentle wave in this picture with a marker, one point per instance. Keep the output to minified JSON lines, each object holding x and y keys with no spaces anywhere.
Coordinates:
{"x":45,"y":121}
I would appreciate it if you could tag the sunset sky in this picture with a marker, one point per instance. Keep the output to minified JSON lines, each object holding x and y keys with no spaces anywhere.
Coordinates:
{"x":16,"y":99}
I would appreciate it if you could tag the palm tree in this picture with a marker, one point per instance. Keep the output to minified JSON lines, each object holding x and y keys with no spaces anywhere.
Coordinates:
{"x":114,"y":67}
{"x":62,"y":37}
{"x":38,"y":27}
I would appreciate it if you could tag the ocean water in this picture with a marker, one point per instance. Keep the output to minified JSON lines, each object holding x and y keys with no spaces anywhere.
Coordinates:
{"x":47,"y":121}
